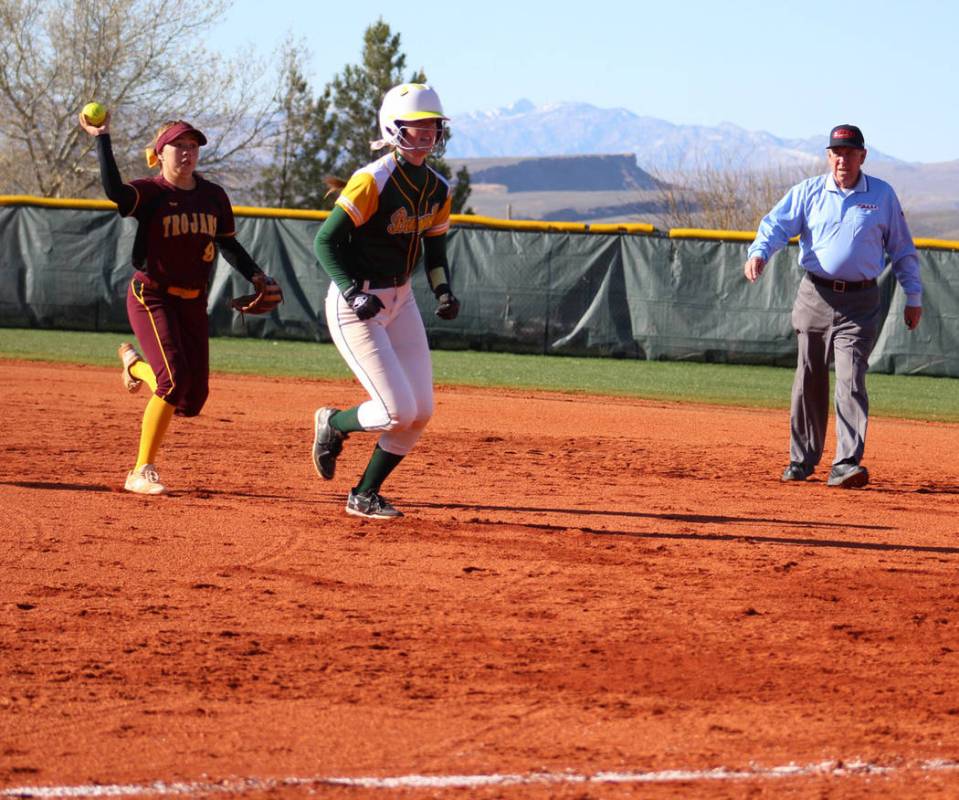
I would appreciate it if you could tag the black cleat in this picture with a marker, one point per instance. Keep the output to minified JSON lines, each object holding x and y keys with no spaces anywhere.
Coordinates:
{"x":795,"y":472}
{"x":848,"y":476}
{"x":372,"y":505}
{"x":327,"y":442}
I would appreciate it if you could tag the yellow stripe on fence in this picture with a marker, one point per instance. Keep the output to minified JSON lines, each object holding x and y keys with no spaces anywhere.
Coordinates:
{"x":703,"y":233}
{"x":937,"y":244}
{"x":548,"y":225}
{"x":55,"y":202}
{"x":279,"y":213}
{"x":464,"y":220}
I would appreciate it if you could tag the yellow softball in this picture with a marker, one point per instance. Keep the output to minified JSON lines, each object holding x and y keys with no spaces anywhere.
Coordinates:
{"x":94,"y":113}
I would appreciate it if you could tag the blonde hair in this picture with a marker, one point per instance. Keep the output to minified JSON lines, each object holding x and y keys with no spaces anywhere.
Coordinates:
{"x":153,"y":160}
{"x":334,"y":185}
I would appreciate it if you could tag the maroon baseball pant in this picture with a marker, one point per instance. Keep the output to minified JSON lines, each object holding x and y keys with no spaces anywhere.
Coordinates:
{"x":174,"y":338}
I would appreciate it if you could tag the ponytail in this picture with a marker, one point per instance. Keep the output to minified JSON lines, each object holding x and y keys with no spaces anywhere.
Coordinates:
{"x":334,"y":185}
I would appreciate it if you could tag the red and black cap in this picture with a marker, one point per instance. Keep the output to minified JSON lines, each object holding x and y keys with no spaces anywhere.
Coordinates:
{"x":846,"y":136}
{"x":175,"y":132}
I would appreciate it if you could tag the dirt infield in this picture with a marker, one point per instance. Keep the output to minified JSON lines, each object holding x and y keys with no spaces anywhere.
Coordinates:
{"x":596,"y":597}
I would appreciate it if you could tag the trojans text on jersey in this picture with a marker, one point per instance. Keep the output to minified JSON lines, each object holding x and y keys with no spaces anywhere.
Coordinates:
{"x":182,"y":224}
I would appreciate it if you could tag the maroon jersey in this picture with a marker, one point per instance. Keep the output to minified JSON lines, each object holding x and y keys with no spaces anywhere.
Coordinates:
{"x":175,"y":244}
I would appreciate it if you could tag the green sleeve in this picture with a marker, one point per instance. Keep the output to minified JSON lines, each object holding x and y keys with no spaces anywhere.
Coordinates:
{"x":437,"y":266}
{"x":330,"y":247}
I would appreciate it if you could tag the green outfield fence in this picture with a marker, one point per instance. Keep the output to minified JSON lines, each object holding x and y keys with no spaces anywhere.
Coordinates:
{"x":628,"y":291}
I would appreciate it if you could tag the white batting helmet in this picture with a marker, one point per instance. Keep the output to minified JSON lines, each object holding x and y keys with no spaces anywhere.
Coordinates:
{"x":409,"y":102}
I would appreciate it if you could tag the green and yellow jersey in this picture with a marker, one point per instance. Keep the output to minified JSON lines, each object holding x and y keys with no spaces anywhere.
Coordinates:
{"x":383,"y":214}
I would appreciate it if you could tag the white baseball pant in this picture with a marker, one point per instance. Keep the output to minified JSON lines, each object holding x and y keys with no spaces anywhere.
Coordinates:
{"x":390,"y":356}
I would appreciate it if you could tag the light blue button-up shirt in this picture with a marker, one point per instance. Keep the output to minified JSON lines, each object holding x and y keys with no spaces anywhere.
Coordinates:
{"x":843,"y":237}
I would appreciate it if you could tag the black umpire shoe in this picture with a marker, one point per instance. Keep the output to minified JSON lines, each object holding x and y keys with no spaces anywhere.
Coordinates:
{"x":327,"y":442}
{"x":795,"y":472}
{"x":848,"y":476}
{"x":370,"y":504}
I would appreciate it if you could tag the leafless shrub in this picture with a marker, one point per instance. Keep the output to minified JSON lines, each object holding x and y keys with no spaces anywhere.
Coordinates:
{"x":145,"y":61}
{"x":731,"y":197}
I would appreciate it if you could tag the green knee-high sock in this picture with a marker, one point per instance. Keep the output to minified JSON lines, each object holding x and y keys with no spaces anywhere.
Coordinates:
{"x":347,"y":421}
{"x":380,"y":466}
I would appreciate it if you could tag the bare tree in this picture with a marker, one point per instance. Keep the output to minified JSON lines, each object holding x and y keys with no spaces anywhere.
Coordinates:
{"x":729,"y":198}
{"x":144,"y":60}
{"x":277,"y":182}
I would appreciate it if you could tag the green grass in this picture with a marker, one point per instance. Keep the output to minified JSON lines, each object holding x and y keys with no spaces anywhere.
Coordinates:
{"x":911,"y":397}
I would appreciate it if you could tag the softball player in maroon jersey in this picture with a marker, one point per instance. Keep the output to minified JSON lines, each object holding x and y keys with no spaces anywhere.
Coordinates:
{"x":385,"y":215}
{"x":182,"y":220}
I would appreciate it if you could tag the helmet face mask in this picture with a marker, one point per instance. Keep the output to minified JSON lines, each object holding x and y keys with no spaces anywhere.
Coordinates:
{"x":411,"y":102}
{"x":404,"y":138}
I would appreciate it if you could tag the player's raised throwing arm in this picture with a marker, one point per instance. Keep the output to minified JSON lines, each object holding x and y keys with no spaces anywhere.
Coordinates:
{"x":124,"y":195}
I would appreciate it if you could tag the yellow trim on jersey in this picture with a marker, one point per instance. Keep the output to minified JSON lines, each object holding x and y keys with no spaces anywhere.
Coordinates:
{"x":360,"y":197}
{"x":441,"y":222}
{"x":412,"y":249}
{"x":414,"y":206}
{"x":136,"y":202}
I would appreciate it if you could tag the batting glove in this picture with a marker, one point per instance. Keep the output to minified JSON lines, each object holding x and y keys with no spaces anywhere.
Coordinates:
{"x":365,"y":306}
{"x":449,"y":306}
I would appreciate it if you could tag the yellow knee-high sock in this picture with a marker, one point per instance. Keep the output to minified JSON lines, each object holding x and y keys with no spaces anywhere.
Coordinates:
{"x":156,"y":419}
{"x":142,"y":371}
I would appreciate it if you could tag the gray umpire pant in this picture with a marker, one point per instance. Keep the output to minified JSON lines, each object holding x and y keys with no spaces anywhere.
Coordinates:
{"x":843,"y":325}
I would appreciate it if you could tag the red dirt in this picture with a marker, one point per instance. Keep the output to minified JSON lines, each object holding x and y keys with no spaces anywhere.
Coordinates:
{"x":580,"y":584}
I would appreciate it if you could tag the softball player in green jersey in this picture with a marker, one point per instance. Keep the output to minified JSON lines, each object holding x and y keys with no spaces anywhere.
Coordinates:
{"x":387,"y":213}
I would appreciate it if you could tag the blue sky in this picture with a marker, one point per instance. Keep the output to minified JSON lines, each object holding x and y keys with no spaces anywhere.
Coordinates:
{"x":792,"y":69}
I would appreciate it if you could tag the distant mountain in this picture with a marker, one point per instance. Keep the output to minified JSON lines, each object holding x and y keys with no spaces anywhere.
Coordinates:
{"x":555,"y":162}
{"x":589,"y":173}
{"x":660,"y":147}
{"x":611,"y":188}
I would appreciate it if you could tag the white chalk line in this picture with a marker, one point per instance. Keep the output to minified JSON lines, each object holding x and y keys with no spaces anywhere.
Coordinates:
{"x":238,"y":786}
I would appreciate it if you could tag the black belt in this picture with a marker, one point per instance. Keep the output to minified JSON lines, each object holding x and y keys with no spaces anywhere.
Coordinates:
{"x":388,"y":283}
{"x":841,"y":286}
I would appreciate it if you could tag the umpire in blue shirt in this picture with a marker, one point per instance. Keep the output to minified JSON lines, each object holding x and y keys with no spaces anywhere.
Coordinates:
{"x":847,"y":223}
